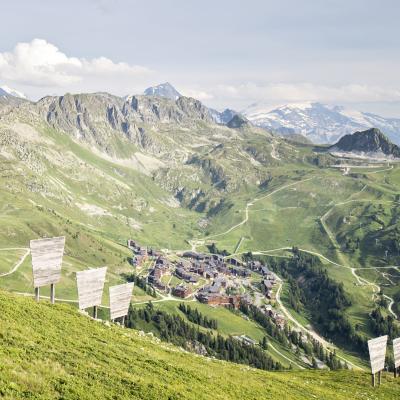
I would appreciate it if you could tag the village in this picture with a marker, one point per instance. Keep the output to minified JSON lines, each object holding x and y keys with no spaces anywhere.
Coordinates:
{"x":212,"y":279}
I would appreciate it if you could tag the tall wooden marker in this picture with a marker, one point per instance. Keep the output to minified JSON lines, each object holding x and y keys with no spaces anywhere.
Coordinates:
{"x":90,"y":288}
{"x":47,"y":257}
{"x":377,"y":354}
{"x":120,"y":298}
{"x":396,"y":354}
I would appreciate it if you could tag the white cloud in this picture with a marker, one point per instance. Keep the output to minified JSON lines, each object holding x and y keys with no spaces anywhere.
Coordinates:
{"x":197,"y":94}
{"x":40,"y":63}
{"x":280,"y":93}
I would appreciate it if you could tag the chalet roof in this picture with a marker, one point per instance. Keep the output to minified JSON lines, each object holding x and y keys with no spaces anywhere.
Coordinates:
{"x":267,"y":284}
{"x":265,"y":270}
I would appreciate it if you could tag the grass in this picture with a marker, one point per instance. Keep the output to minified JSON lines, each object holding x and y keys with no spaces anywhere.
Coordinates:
{"x":9,"y":258}
{"x":50,"y":352}
{"x":234,"y":324}
{"x":60,"y":187}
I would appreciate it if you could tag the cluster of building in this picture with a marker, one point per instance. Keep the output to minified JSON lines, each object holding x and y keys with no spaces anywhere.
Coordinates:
{"x":269,"y":278}
{"x":140,"y":253}
{"x":211,"y":266}
{"x":224,"y":273}
{"x":278,"y":319}
{"x":161,"y":267}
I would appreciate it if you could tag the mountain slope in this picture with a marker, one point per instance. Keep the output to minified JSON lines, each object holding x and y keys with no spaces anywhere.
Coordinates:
{"x":53,"y":352}
{"x":318,"y":122}
{"x":163,"y":90}
{"x":5,"y":90}
{"x":222,"y":117}
{"x":370,"y":142}
{"x":99,"y":168}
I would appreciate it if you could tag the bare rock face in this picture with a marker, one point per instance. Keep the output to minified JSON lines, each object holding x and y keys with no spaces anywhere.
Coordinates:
{"x":100,"y":119}
{"x":154,"y":110}
{"x":238,"y":121}
{"x":371,"y":141}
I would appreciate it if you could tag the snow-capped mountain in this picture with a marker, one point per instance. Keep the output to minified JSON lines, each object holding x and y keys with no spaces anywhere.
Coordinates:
{"x":163,"y":90}
{"x":7,"y":91}
{"x":320,"y":123}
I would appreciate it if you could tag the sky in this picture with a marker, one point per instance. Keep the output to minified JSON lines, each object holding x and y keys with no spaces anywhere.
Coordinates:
{"x":226,"y":53}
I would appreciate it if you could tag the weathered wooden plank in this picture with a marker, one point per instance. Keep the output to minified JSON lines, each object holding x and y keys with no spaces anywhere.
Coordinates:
{"x":377,"y":353}
{"x":90,"y":287}
{"x":47,"y":257}
{"x":396,"y":352}
{"x":120,"y":298}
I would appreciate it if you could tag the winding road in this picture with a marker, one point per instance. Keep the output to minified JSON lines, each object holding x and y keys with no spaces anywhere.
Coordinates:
{"x":197,"y":242}
{"x":361,"y":281}
{"x":19,"y":263}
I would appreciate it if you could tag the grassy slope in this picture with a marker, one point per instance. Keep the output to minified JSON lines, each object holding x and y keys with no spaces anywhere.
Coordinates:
{"x":52,"y":352}
{"x":230,"y":324}
{"x":134,"y":207}
{"x":292,"y":217}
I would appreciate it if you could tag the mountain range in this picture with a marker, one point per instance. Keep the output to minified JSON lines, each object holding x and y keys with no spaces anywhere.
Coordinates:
{"x":99,"y":169}
{"x":318,"y":122}
{"x":315,"y":122}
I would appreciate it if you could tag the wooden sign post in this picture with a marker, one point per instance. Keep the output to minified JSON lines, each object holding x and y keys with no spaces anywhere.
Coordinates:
{"x":377,"y":354}
{"x":47,"y":257}
{"x":120,"y":299}
{"x":90,"y":288}
{"x":396,"y":354}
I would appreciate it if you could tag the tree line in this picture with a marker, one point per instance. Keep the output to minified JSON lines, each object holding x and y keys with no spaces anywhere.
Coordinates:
{"x":291,"y":339}
{"x":174,"y":329}
{"x":140,"y":282}
{"x":383,"y":325}
{"x":195,"y":316}
{"x":312,"y":289}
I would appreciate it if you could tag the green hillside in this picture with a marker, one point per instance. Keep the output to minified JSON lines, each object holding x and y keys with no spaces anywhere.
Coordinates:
{"x":52,"y":352}
{"x":165,"y":175}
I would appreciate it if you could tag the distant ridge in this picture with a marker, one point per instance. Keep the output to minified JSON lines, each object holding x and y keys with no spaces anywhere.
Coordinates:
{"x":320,"y":123}
{"x":238,"y":121}
{"x":371,"y":142}
{"x":7,"y":91}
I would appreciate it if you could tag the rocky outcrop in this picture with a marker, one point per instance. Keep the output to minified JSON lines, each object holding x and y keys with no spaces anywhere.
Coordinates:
{"x":370,"y":142}
{"x":238,"y":121}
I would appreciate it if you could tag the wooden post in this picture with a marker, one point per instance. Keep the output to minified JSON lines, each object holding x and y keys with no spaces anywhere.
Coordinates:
{"x":379,"y":377}
{"x":373,"y":380}
{"x":52,"y":293}
{"x":123,"y":320}
{"x":37,"y":294}
{"x":95,"y":312}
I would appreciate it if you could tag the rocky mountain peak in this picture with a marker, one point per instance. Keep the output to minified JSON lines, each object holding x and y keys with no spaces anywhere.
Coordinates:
{"x":163,"y":90}
{"x":238,"y":121}
{"x":370,"y":142}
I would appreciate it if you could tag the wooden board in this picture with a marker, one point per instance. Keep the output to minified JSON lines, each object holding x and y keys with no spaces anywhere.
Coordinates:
{"x":120,"y":298}
{"x":47,"y":257}
{"x":90,"y":287}
{"x":377,"y":353}
{"x":396,"y":352}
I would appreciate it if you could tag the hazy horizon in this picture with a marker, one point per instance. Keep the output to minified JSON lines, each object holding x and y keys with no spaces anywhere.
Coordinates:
{"x":224,"y":54}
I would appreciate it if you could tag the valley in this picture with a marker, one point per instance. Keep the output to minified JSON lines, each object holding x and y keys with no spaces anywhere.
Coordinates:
{"x":175,"y":181}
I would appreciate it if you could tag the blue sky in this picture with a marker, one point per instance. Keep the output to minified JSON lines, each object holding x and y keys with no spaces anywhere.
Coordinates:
{"x":226,"y":53}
